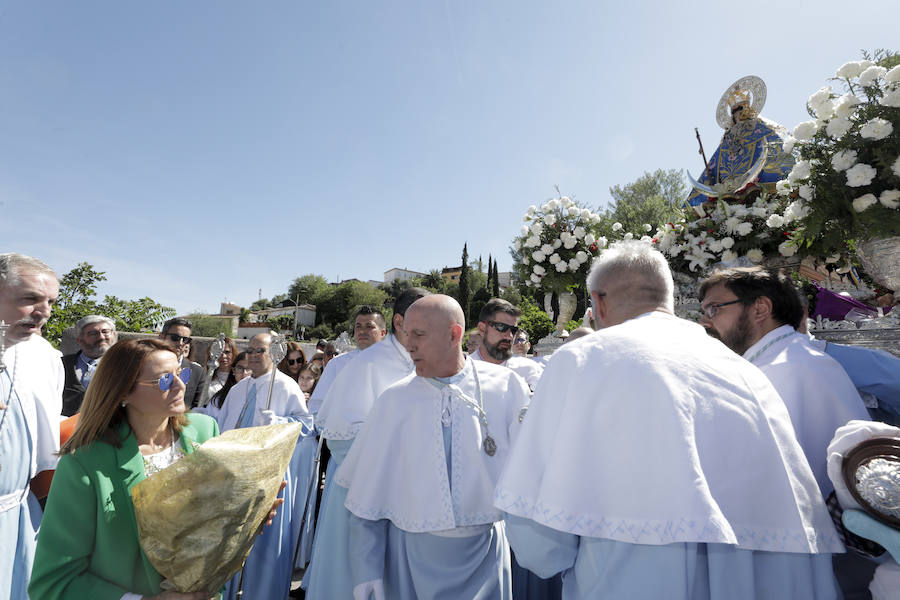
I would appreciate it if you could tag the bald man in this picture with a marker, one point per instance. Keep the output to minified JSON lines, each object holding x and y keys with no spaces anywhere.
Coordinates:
{"x":267,"y":571}
{"x":425,"y":526}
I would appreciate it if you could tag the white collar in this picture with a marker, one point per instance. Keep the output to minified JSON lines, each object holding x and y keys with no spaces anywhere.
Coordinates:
{"x":754,"y":352}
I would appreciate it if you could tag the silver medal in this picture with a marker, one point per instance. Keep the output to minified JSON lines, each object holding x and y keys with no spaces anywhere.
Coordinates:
{"x":490,"y":447}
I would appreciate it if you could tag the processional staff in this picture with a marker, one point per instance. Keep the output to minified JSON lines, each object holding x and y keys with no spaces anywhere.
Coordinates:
{"x":702,"y":153}
{"x":216,"y":348}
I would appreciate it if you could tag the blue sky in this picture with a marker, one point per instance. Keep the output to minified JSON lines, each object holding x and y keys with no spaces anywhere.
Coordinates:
{"x":198,"y":151}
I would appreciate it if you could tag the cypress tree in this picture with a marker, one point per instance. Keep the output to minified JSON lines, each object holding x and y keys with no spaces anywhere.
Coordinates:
{"x":490,"y":273}
{"x":496,"y":280}
{"x":464,"y":281}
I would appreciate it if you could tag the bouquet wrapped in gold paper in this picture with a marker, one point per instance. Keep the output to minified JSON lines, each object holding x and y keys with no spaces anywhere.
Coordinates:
{"x":198,"y":518}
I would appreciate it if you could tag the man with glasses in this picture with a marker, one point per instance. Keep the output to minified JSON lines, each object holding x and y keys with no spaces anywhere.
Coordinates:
{"x":94,"y":334}
{"x":656,"y":463}
{"x":498,"y":325}
{"x":31,"y":383}
{"x":178,"y":331}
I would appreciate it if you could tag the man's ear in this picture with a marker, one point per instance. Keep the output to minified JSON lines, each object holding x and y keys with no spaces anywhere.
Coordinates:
{"x":456,"y":333}
{"x":482,"y":326}
{"x":761,"y":309}
{"x":397,"y":322}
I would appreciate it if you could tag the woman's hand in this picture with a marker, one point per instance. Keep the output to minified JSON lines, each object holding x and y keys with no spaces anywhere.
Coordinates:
{"x":274,"y":510}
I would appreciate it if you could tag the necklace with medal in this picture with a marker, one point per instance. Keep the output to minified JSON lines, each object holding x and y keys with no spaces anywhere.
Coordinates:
{"x":488,"y":445}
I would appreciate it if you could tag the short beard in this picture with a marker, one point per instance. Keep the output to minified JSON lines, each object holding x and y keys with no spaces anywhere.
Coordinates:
{"x":739,"y":338}
{"x":496,"y":353}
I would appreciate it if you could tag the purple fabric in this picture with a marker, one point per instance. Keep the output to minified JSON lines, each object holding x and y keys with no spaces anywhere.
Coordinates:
{"x":836,"y":307}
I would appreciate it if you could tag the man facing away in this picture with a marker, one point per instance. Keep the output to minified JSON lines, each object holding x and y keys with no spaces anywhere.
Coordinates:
{"x":342,"y":415}
{"x":268,"y":569}
{"x":178,"y":331}
{"x":31,"y":382}
{"x":424,"y":526}
{"x":498,"y":325}
{"x":755,"y":312}
{"x":95,"y":334}
{"x":655,"y":463}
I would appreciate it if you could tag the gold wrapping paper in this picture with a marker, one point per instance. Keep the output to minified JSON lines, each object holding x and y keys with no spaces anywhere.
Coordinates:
{"x":198,"y":518}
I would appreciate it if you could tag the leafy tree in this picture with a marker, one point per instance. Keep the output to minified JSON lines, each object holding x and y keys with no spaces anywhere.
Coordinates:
{"x":490,"y":273}
{"x":136,"y":315}
{"x":652,"y":198}
{"x":435,"y":282}
{"x":343,"y":302}
{"x":464,"y":280}
{"x":260,"y":304}
{"x":479,"y":299}
{"x":308,"y":289}
{"x":511,"y":295}
{"x":282,"y":323}
{"x":534,"y":320}
{"x":208,"y":325}
{"x":320,"y":332}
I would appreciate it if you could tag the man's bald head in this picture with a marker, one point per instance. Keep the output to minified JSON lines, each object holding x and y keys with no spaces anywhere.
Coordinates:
{"x":434,"y":326}
{"x":259,"y":362}
{"x":578,"y":333}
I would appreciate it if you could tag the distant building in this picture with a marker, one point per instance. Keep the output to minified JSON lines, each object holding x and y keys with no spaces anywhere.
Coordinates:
{"x":304,"y":313}
{"x":401,"y":274}
{"x":451,"y":274}
{"x":504,"y":279}
{"x":227,"y":309}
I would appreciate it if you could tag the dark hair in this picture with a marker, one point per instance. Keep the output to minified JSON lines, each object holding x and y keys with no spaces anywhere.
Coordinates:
{"x":219,"y":397}
{"x":102,"y":412}
{"x":368,"y":309}
{"x":495,"y":305}
{"x":176,"y":322}
{"x":292,"y":347}
{"x":750,"y":283}
{"x":406,"y":298}
{"x":313,"y":368}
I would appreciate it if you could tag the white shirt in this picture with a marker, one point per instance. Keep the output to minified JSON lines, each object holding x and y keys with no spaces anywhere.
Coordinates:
{"x":526,"y":368}
{"x":358,"y":385}
{"x":334,"y":366}
{"x":818,"y":393}
{"x":653,"y":432}
{"x":288,"y":401}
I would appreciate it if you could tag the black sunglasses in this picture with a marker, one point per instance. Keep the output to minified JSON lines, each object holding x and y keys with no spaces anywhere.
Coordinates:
{"x":295,"y":361}
{"x":180,"y":338}
{"x":503,"y":327}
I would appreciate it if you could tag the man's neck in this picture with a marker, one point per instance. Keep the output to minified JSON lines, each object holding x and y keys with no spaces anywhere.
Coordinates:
{"x":486,"y":357}
{"x":258,"y":375}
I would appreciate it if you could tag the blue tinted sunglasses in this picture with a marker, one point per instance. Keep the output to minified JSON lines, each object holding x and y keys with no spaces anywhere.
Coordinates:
{"x":166,"y":380}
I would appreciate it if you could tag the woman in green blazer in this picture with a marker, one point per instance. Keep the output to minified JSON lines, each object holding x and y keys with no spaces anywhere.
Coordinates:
{"x":132,"y":423}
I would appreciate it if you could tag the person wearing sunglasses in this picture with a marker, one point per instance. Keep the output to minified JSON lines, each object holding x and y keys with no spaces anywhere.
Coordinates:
{"x":293,"y":361}
{"x":178,"y":332}
{"x":133,"y":423}
{"x":498,"y":325}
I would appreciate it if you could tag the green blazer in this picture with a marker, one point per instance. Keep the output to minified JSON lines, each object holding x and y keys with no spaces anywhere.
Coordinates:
{"x":88,"y":543}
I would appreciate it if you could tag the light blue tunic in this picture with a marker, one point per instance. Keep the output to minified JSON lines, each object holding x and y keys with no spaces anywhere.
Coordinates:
{"x":328,"y":575}
{"x":872,"y":372}
{"x":608,"y":569}
{"x":18,"y":526}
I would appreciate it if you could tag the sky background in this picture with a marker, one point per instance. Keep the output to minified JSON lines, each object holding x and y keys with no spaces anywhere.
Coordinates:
{"x":203,"y":151}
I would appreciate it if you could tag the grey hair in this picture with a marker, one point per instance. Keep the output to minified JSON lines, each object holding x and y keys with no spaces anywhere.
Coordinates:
{"x":12,"y":264}
{"x":637,"y":270}
{"x":90,"y":320}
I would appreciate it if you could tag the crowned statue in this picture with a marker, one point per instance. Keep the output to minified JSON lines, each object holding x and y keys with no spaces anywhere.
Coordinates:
{"x":750,"y":158}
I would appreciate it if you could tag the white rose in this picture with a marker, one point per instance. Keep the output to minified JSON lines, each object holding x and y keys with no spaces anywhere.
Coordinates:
{"x":798,"y":209}
{"x":860,"y":174}
{"x":850,"y":70}
{"x":864,"y":202}
{"x":824,"y":112}
{"x":890,"y":198}
{"x":800,"y":171}
{"x":517,"y":245}
{"x":554,"y":258}
{"x":570,"y":243}
{"x":844,"y":106}
{"x":628,"y":236}
{"x":843,"y":160}
{"x":524,"y":230}
{"x":819,"y":98}
{"x":565,"y":201}
{"x":788,"y":144}
{"x":585,"y":213}
{"x":573,"y":211}
{"x":547,"y":249}
{"x":616,"y":226}
{"x":539,"y":270}
{"x":754,"y":255}
{"x":714,"y":245}
{"x":601,"y":242}
{"x":647,"y":227}
{"x":574,"y":264}
{"x":579,"y":232}
{"x":526,"y":259}
{"x":561,"y":266}
{"x":787,"y":248}
{"x":556,"y":243}
{"x":775,"y":221}
{"x":589,"y":238}
{"x":535,"y":278}
{"x":545,"y":207}
{"x":729,"y":256}
{"x":531,"y":209}
{"x":646,"y":239}
{"x":865,"y":64}
{"x":741,"y":211}
{"x":783,"y":187}
{"x":744,"y":229}
{"x":876,"y":129}
{"x":893,"y":76}
{"x":806,"y":192}
{"x":538,"y":256}
{"x":838,"y":127}
{"x":731,"y":224}
{"x":895,"y":168}
{"x":891,"y":99}
{"x":870,"y":75}
{"x":537,"y":228}
{"x":553,"y":204}
{"x":759,"y":211}
{"x":727,"y":242}
{"x":805,"y":131}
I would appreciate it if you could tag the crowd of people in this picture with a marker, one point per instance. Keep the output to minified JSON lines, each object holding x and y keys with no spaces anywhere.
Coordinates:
{"x":652,"y":458}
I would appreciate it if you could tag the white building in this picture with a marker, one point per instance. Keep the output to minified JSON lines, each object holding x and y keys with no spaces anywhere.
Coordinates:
{"x":401,"y":274}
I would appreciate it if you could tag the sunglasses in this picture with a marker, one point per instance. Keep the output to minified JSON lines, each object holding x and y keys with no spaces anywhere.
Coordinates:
{"x":166,"y":380}
{"x":240,"y":369}
{"x":256,"y":350}
{"x":503,"y":327}
{"x":178,"y":339}
{"x":295,"y":361}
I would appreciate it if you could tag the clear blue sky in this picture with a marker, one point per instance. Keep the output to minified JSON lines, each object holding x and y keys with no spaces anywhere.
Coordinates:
{"x":197,"y":151}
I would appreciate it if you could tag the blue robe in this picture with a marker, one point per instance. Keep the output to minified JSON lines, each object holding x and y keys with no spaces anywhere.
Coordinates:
{"x":873,"y":372}
{"x":603,"y":568}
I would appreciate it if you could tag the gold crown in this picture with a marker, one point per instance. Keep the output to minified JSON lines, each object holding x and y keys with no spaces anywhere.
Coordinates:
{"x":739,"y":96}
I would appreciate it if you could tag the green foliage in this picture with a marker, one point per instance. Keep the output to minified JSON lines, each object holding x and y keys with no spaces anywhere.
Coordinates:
{"x":282,"y":323}
{"x":345,"y":299}
{"x":260,"y":304}
{"x":308,"y":289}
{"x":434,"y":282}
{"x":652,"y":198}
{"x":573,"y":325}
{"x":511,"y":295}
{"x":208,"y":325}
{"x":76,"y":300}
{"x":320,"y":332}
{"x":479,"y":299}
{"x":534,"y":320}
{"x":495,"y":281}
{"x":464,"y":285}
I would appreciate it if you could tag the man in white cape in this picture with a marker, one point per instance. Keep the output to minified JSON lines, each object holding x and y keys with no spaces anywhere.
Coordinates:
{"x":498,"y":324}
{"x":420,"y":476}
{"x":268,"y":569}
{"x":339,"y":420}
{"x":31,"y":386}
{"x":655,"y":463}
